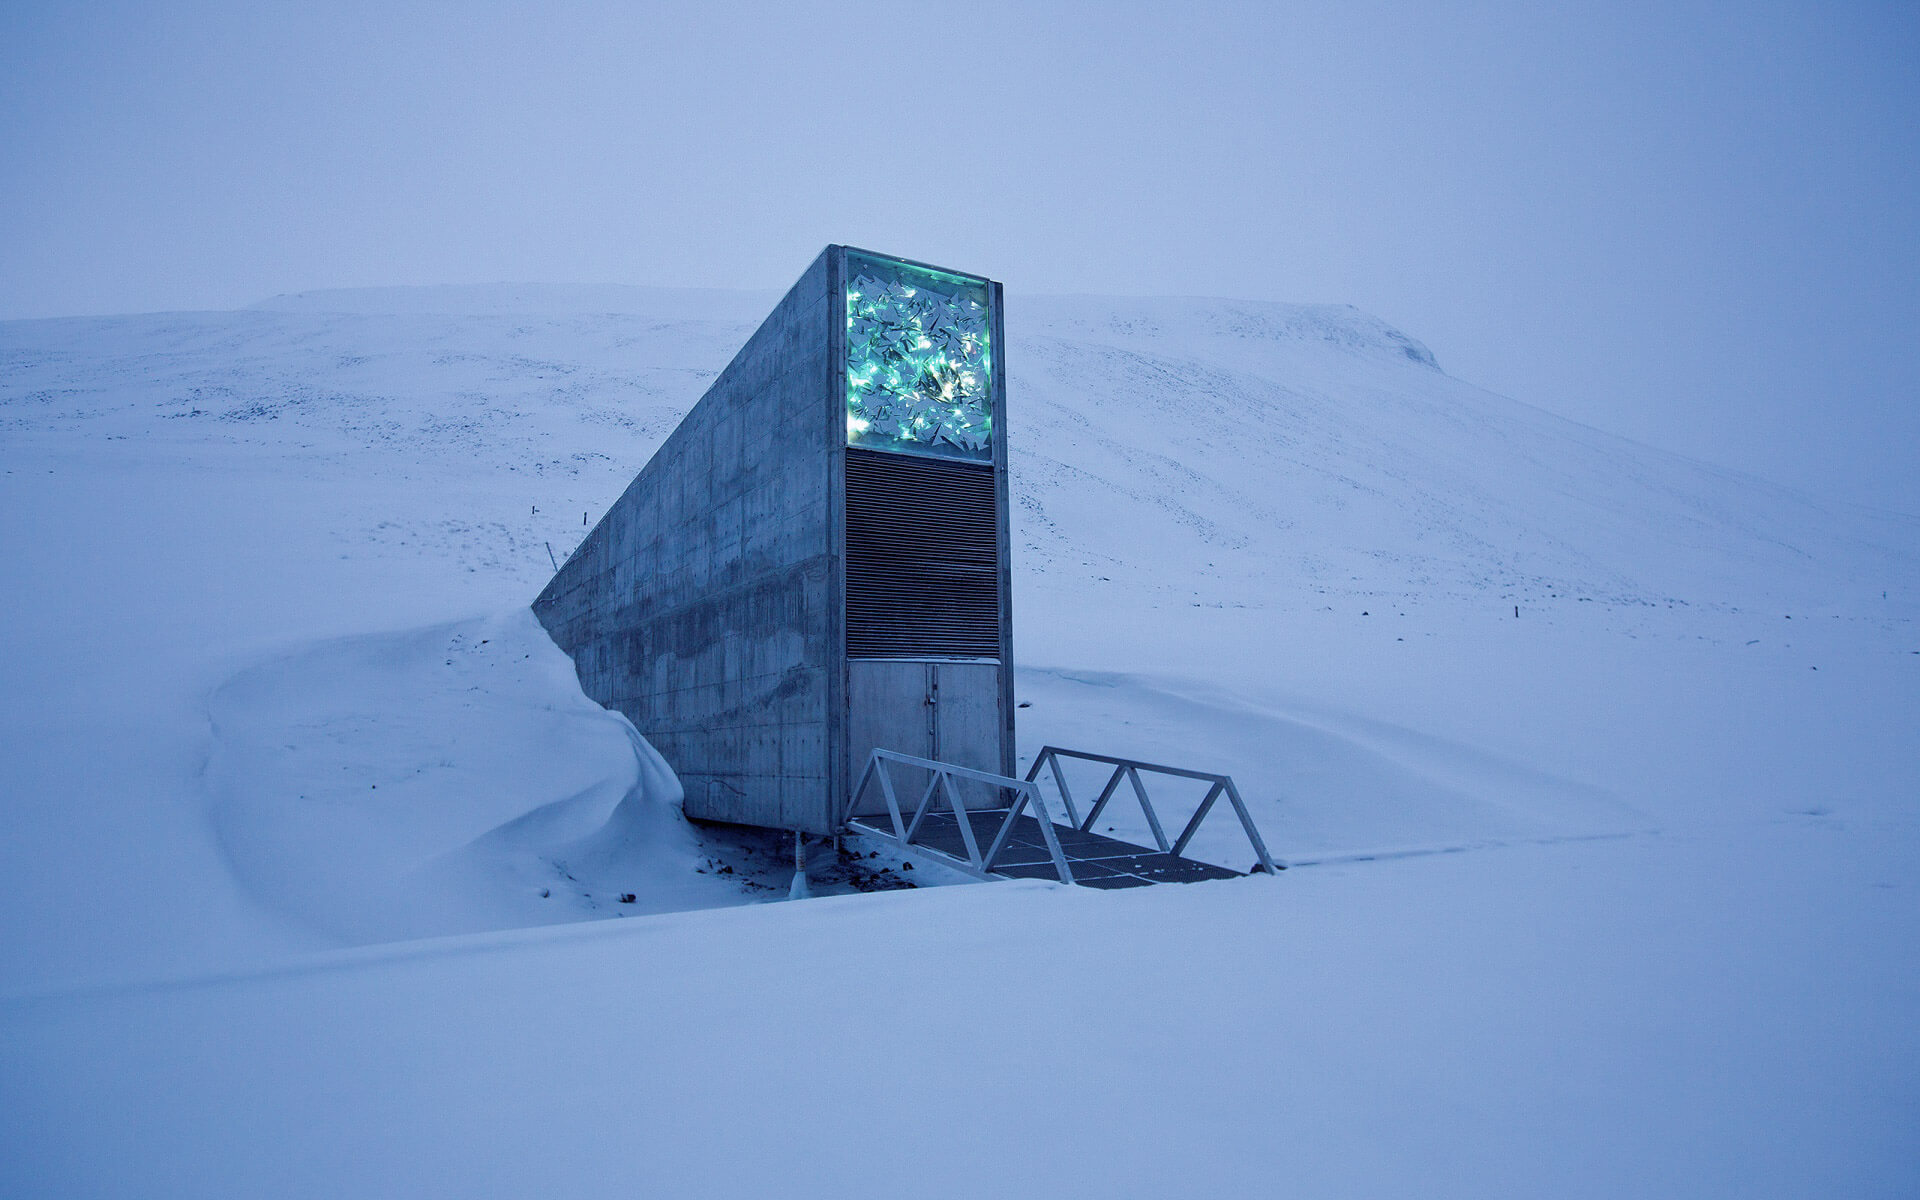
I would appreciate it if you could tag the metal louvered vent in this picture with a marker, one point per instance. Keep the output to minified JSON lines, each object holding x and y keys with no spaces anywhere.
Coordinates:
{"x":923,"y":576}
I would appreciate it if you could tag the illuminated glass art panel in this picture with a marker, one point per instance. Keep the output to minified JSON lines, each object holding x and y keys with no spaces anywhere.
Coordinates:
{"x":919,"y":360}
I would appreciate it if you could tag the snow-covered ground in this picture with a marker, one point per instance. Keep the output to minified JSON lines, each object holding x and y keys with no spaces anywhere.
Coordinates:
{"x":1617,"y":895}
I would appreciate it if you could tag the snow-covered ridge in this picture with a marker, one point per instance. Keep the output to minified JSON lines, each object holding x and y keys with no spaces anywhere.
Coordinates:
{"x":1258,"y":450}
{"x":1128,"y":320}
{"x":1198,"y":320}
{"x":531,"y":299}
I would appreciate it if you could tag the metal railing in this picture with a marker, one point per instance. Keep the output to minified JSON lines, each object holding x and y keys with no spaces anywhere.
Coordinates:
{"x":1130,"y":769}
{"x":944,"y":774}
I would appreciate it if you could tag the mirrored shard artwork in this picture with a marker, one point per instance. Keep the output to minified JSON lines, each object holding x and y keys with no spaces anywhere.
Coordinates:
{"x":919,"y":362}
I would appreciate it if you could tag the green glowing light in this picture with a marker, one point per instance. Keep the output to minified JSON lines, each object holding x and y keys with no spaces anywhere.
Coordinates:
{"x":919,"y":373}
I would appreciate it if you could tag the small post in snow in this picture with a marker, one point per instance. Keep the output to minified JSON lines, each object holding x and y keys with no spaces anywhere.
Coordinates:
{"x":799,"y":890}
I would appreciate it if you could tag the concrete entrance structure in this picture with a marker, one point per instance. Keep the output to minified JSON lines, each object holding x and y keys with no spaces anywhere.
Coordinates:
{"x":815,"y":562}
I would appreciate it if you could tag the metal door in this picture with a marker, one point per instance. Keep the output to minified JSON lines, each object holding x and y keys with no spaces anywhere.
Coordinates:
{"x":950,"y":711}
{"x":967,"y":718}
{"x":889,"y":706}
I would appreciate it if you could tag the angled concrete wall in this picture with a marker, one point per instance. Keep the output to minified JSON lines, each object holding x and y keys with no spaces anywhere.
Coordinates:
{"x":710,"y":603}
{"x":705,"y":605}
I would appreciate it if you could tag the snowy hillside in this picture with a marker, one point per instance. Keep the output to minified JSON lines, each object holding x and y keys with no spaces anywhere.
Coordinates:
{"x":1283,"y":450}
{"x":272,"y":693}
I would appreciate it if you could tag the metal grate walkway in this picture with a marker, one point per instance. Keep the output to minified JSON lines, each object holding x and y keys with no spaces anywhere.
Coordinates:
{"x":1096,"y":861}
{"x":1019,"y":839}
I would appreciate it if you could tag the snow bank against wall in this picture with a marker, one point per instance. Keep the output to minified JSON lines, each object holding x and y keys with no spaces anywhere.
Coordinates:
{"x":443,"y":780}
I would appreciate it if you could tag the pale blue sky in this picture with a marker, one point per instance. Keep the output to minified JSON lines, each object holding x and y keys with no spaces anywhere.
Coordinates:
{"x":1691,"y":224}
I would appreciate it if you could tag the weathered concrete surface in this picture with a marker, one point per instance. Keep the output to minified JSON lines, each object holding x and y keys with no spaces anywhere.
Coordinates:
{"x":709,"y":604}
{"x":704,"y":604}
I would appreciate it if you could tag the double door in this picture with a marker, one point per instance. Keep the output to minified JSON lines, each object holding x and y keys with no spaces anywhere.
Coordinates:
{"x":948,"y":711}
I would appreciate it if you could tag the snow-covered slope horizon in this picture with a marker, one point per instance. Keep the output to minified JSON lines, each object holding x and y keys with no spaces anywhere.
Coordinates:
{"x":1224,"y":508}
{"x":1245,"y":382}
{"x":1113,"y":320}
{"x":1571,"y":737}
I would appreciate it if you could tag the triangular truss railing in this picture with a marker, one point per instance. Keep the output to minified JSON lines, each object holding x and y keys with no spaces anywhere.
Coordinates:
{"x":1025,"y":793}
{"x":1130,"y":769}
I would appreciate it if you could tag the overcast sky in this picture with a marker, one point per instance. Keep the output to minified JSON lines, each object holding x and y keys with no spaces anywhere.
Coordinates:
{"x":1695,"y":225}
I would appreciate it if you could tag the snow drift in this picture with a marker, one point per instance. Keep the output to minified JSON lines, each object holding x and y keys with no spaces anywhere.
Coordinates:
{"x":441,"y":781}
